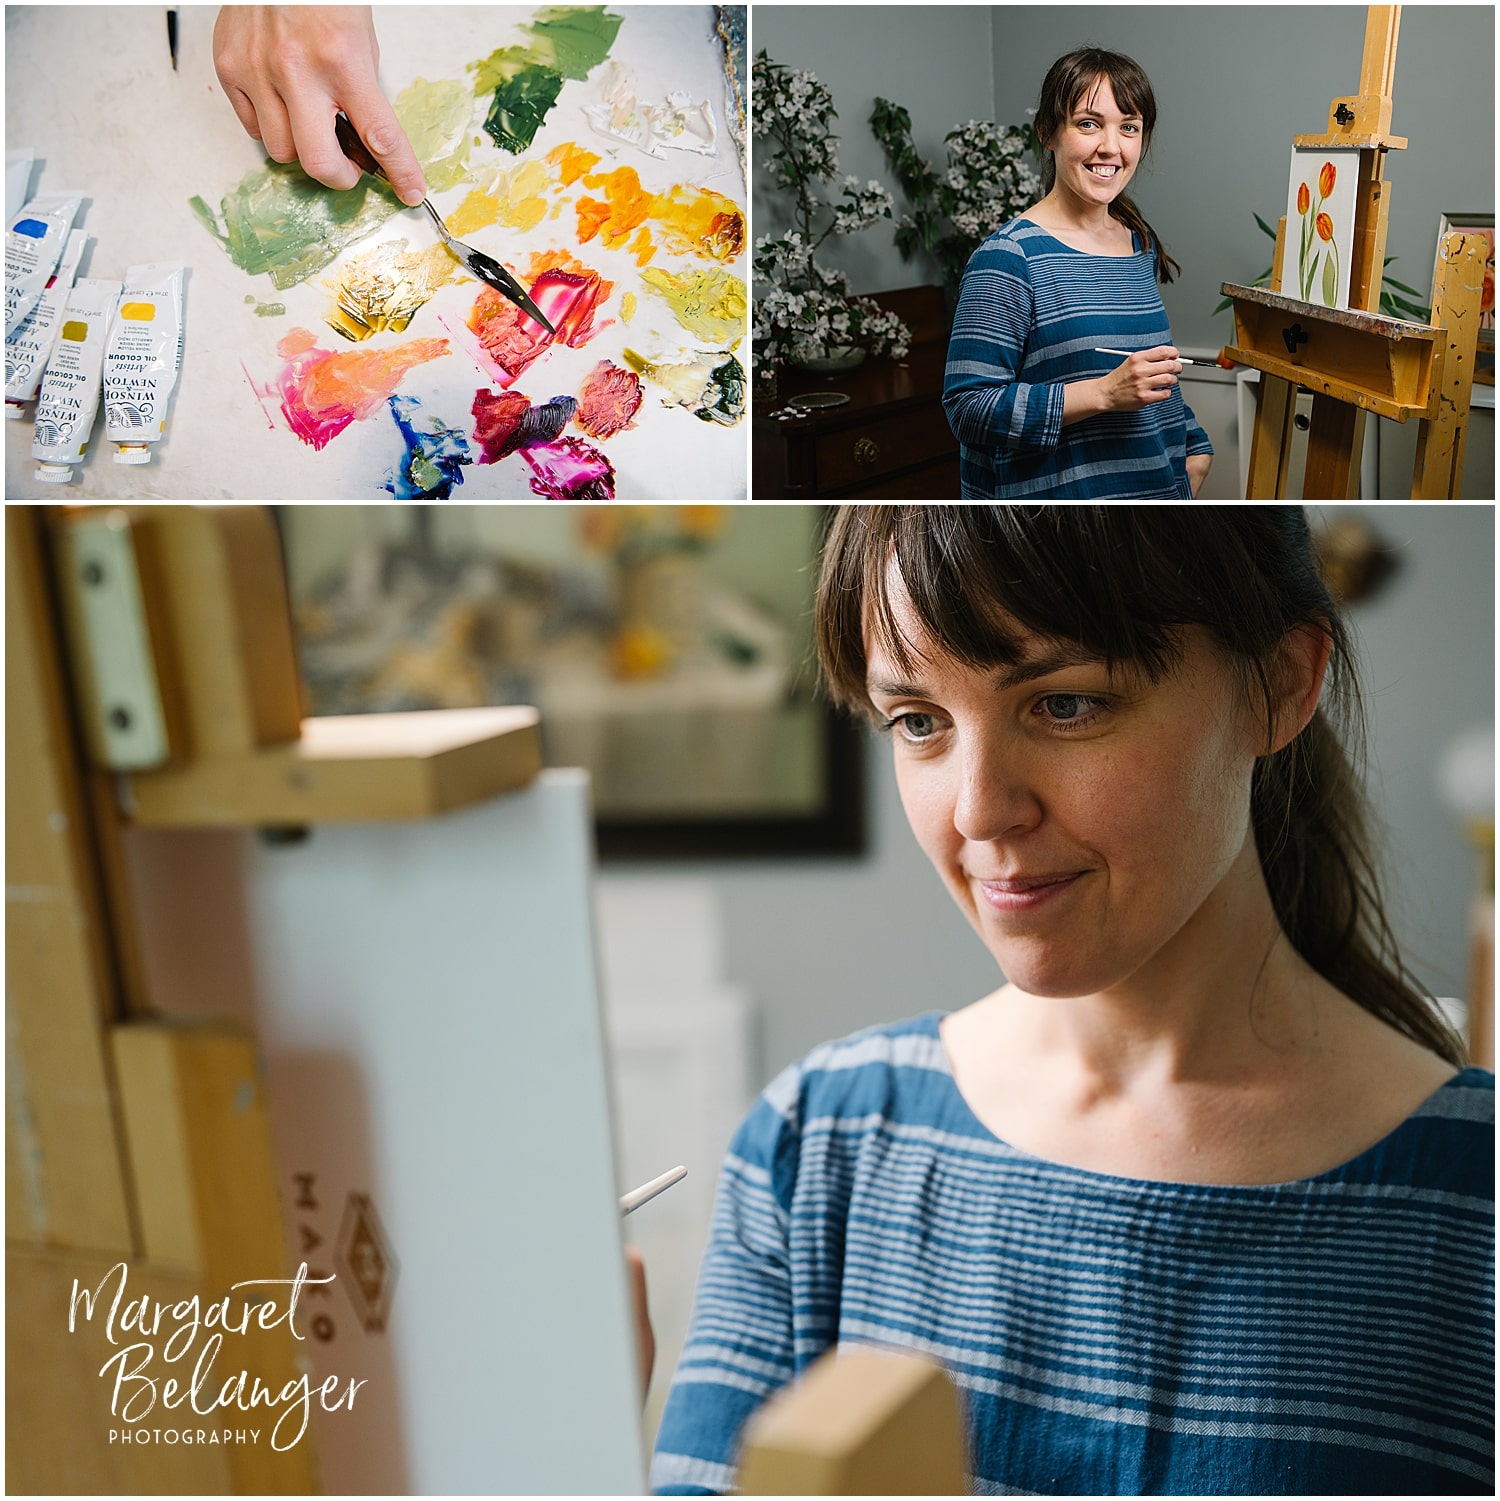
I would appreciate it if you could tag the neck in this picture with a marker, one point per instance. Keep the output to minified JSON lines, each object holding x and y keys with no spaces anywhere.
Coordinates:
{"x":1226,"y":998}
{"x":1091,"y":218}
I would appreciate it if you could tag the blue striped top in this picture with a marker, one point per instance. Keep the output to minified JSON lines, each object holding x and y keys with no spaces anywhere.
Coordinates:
{"x":1030,"y":314}
{"x":1108,"y":1335}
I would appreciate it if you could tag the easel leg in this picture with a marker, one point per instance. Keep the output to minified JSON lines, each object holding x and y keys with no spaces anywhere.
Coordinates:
{"x":1439,"y":468}
{"x":1271,"y":441}
{"x":1333,"y":444}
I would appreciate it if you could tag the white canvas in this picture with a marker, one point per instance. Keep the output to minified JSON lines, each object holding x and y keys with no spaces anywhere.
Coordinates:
{"x":1320,"y":226}
{"x":425,"y":997}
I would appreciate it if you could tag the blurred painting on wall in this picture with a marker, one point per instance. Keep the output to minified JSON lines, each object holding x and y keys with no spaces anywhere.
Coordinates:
{"x":668,"y":649}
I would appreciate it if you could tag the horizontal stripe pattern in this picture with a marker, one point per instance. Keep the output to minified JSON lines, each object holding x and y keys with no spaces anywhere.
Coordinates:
{"x":1333,"y":1335}
{"x":1031,"y":314}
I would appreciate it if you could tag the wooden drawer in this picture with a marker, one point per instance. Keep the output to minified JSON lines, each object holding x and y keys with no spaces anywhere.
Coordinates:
{"x":863,"y":454}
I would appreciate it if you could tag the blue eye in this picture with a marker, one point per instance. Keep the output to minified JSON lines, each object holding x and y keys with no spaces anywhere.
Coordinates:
{"x":1068,"y":711}
{"x":913,"y":727}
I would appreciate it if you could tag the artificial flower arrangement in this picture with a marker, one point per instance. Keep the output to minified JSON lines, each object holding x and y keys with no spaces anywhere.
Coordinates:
{"x":803,"y":311}
{"x":990,"y":179}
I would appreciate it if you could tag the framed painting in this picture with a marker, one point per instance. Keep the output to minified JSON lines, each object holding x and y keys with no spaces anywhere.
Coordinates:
{"x":1320,"y":225}
{"x":1483,"y":225}
{"x":668,"y":649}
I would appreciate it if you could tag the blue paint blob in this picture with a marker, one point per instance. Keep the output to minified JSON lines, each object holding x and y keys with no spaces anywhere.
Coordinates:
{"x":33,"y":229}
{"x":432,"y":463}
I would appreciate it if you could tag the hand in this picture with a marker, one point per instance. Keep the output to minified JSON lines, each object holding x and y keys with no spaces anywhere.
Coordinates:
{"x":1144,"y":379}
{"x":289,"y":69}
{"x":645,"y":1339}
{"x":1197,"y":470}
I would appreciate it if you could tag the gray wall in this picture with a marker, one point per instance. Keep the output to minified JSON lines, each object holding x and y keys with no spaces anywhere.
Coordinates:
{"x":1233,"y":85}
{"x":827,"y":947}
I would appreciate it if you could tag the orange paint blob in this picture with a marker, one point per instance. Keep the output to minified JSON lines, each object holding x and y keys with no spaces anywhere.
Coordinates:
{"x":572,"y":162}
{"x":696,"y":220}
{"x":322,"y":392}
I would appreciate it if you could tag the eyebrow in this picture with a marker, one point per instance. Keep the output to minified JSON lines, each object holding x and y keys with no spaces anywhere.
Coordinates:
{"x":1040,"y":666}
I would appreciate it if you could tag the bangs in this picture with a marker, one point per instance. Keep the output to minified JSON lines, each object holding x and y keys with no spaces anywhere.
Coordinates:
{"x":1117,"y":583}
{"x":1132,"y":93}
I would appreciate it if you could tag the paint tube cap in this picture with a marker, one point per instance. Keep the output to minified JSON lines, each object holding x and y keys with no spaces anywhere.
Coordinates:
{"x":13,"y":411}
{"x":55,"y":474}
{"x":132,"y":453}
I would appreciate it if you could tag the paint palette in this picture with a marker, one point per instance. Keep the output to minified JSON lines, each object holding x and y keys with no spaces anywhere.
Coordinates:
{"x":335,"y":349}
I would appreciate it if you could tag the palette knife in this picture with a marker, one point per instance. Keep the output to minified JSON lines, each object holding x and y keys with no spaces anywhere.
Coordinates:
{"x":485,"y":267}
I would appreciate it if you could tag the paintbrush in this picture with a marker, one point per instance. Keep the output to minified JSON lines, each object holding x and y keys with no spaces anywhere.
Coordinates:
{"x":485,"y":267}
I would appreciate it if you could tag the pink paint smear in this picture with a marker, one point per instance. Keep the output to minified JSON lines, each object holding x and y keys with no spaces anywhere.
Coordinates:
{"x":570,"y":469}
{"x":321,"y":391}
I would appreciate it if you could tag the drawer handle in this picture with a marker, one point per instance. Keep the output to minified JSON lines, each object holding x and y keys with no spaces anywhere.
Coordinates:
{"x":866,"y":453}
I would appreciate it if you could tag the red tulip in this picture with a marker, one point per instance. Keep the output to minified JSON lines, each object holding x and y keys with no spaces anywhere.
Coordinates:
{"x":1325,"y":227}
{"x":1325,"y":179}
{"x":1304,"y":198}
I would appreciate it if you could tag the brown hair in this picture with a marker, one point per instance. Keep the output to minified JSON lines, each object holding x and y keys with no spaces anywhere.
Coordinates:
{"x":1122,"y":581}
{"x":1072,"y":79}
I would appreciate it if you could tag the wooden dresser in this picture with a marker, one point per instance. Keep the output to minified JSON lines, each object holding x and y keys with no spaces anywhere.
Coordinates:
{"x":890,"y":441}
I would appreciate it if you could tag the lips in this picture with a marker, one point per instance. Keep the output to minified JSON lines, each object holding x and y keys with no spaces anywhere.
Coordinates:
{"x":1026,"y":893}
{"x":1016,"y":885}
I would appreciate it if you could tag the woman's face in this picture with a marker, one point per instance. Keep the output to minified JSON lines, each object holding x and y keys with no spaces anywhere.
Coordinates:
{"x":1085,"y":822}
{"x":1097,"y":147}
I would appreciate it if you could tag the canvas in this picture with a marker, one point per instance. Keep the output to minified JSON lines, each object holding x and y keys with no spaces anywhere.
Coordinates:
{"x":1320,"y":226}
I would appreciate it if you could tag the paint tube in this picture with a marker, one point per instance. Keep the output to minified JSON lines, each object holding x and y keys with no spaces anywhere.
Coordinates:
{"x":18,"y":162}
{"x":32,"y":247}
{"x":142,"y":358}
{"x":69,"y":401}
{"x":30,"y":347}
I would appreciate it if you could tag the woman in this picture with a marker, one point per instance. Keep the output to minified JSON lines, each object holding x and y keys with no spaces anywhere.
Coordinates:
{"x":1037,"y":408}
{"x":1200,"y":1200}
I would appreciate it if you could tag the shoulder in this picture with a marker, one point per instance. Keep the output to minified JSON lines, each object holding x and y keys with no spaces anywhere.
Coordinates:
{"x":842,"y":1093}
{"x":1443,"y":1153}
{"x":850,"y":1070}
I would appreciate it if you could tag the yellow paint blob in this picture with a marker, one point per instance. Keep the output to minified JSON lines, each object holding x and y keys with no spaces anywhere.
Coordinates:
{"x":74,"y":331}
{"x":710,"y":304}
{"x":477,"y":211}
{"x":627,"y":306}
{"x":138,"y":312}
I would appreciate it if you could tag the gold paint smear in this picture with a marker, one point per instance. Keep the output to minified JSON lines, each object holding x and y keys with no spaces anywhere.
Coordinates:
{"x":710,"y":304}
{"x":383,"y":288}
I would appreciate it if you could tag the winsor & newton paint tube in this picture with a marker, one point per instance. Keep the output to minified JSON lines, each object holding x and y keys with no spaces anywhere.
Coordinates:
{"x":142,"y":358}
{"x":30,"y":347}
{"x":69,"y":402}
{"x":33,"y":243}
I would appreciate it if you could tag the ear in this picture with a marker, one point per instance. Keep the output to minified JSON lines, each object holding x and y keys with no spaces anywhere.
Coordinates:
{"x":1301,"y":668}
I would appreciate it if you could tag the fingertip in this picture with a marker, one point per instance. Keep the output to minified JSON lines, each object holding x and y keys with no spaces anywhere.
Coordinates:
{"x":412,"y":194}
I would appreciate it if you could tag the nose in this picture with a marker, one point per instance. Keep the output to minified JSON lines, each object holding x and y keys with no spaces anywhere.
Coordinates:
{"x":995,"y":795}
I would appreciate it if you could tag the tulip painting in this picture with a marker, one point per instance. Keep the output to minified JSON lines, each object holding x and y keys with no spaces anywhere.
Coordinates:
{"x":1321,"y":206}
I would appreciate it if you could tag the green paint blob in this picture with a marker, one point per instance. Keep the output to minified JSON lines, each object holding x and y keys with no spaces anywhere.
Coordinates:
{"x":520,"y":105}
{"x":270,"y":310}
{"x":281,"y":223}
{"x":525,"y":81}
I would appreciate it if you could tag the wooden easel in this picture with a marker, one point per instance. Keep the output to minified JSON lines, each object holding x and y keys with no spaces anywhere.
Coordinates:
{"x":1361,"y":361}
